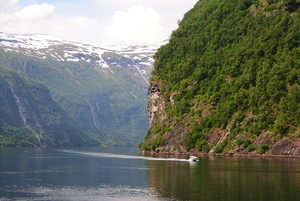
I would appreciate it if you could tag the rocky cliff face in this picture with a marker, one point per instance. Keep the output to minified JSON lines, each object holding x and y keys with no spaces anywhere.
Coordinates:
{"x":176,"y":132}
{"x":159,"y":120}
{"x":155,"y":104}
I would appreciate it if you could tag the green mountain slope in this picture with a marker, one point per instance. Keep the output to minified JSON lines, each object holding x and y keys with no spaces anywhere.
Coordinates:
{"x":228,"y":80}
{"x":29,"y":116}
{"x":110,"y":106}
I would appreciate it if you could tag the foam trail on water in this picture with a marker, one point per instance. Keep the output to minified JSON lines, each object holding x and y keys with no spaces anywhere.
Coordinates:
{"x":109,"y":155}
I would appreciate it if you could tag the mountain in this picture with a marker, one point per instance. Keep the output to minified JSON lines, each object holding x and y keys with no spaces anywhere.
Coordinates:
{"x":228,"y":81}
{"x":29,"y":116}
{"x":103,"y":91}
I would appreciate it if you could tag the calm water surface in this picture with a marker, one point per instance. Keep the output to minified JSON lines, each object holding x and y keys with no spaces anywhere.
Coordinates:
{"x":121,"y":174}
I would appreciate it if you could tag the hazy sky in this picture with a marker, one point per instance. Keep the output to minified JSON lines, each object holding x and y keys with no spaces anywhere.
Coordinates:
{"x":96,"y":22}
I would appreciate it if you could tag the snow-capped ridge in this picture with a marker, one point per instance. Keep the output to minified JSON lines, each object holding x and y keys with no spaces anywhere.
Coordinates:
{"x":42,"y":41}
{"x":137,"y":59}
{"x":30,"y":41}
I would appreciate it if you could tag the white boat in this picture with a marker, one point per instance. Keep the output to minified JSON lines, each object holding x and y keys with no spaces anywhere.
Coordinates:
{"x":193,"y":159}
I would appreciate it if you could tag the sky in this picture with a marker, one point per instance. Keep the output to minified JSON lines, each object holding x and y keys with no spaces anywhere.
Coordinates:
{"x":95,"y":22}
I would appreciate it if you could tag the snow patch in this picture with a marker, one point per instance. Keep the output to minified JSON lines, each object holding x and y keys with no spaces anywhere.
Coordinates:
{"x":73,"y":59}
{"x":146,"y":63}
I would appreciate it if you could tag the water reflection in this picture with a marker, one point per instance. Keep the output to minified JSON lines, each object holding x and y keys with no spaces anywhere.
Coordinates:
{"x":50,"y":174}
{"x":218,"y":178}
{"x":120,"y":174}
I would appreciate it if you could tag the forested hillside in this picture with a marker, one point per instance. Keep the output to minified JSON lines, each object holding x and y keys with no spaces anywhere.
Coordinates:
{"x":228,"y":81}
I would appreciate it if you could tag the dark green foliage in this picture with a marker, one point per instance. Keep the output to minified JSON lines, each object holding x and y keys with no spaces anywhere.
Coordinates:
{"x":243,"y":64}
{"x":251,"y":148}
{"x":196,"y":139}
{"x":153,"y":144}
{"x":11,"y":136}
{"x":154,"y":137}
{"x":263,"y":148}
{"x":243,"y":142}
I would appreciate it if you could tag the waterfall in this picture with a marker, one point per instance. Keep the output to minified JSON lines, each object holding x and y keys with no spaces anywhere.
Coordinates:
{"x":93,"y":114}
{"x":22,"y":114}
{"x":37,"y":123}
{"x":139,"y":70}
{"x":97,"y":107}
{"x":20,"y":106}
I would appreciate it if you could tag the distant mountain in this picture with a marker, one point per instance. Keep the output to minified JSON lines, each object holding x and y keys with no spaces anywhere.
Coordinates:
{"x":103,"y":90}
{"x":29,"y":116}
{"x":137,"y":59}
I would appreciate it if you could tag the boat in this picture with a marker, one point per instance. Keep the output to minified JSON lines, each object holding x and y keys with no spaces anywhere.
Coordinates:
{"x":193,"y":159}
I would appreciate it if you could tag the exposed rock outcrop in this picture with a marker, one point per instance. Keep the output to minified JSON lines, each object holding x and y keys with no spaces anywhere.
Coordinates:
{"x":155,"y":103}
{"x":286,"y":147}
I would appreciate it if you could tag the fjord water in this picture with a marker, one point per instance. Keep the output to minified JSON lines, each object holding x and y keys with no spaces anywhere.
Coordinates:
{"x":121,"y":174}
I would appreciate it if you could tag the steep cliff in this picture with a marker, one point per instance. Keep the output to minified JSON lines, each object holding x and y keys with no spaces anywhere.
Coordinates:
{"x":228,"y":81}
{"x":155,"y":104}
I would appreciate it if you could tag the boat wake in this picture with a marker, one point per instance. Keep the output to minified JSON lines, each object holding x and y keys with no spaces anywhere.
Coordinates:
{"x":109,"y":155}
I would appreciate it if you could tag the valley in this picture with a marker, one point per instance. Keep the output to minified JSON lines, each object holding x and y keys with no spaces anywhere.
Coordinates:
{"x":104,"y":91}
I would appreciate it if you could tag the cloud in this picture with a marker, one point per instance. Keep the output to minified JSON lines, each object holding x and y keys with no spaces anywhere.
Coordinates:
{"x":119,"y":5}
{"x":158,"y":5}
{"x":27,"y":19}
{"x":96,"y":22}
{"x":7,"y":3}
{"x":169,"y":14}
{"x":41,"y":18}
{"x":138,"y":25}
{"x":35,"y":12}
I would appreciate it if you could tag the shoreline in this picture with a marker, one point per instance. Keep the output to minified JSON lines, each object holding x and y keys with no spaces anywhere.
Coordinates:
{"x":152,"y":153}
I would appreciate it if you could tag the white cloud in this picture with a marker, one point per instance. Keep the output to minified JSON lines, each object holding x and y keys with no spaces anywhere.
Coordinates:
{"x":41,"y":18}
{"x":35,"y":12}
{"x":7,"y":3}
{"x":81,"y":22}
{"x":139,"y":25}
{"x":158,"y":5}
{"x":113,"y":22}
{"x":30,"y":19}
{"x":169,"y":13}
{"x":119,"y":5}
